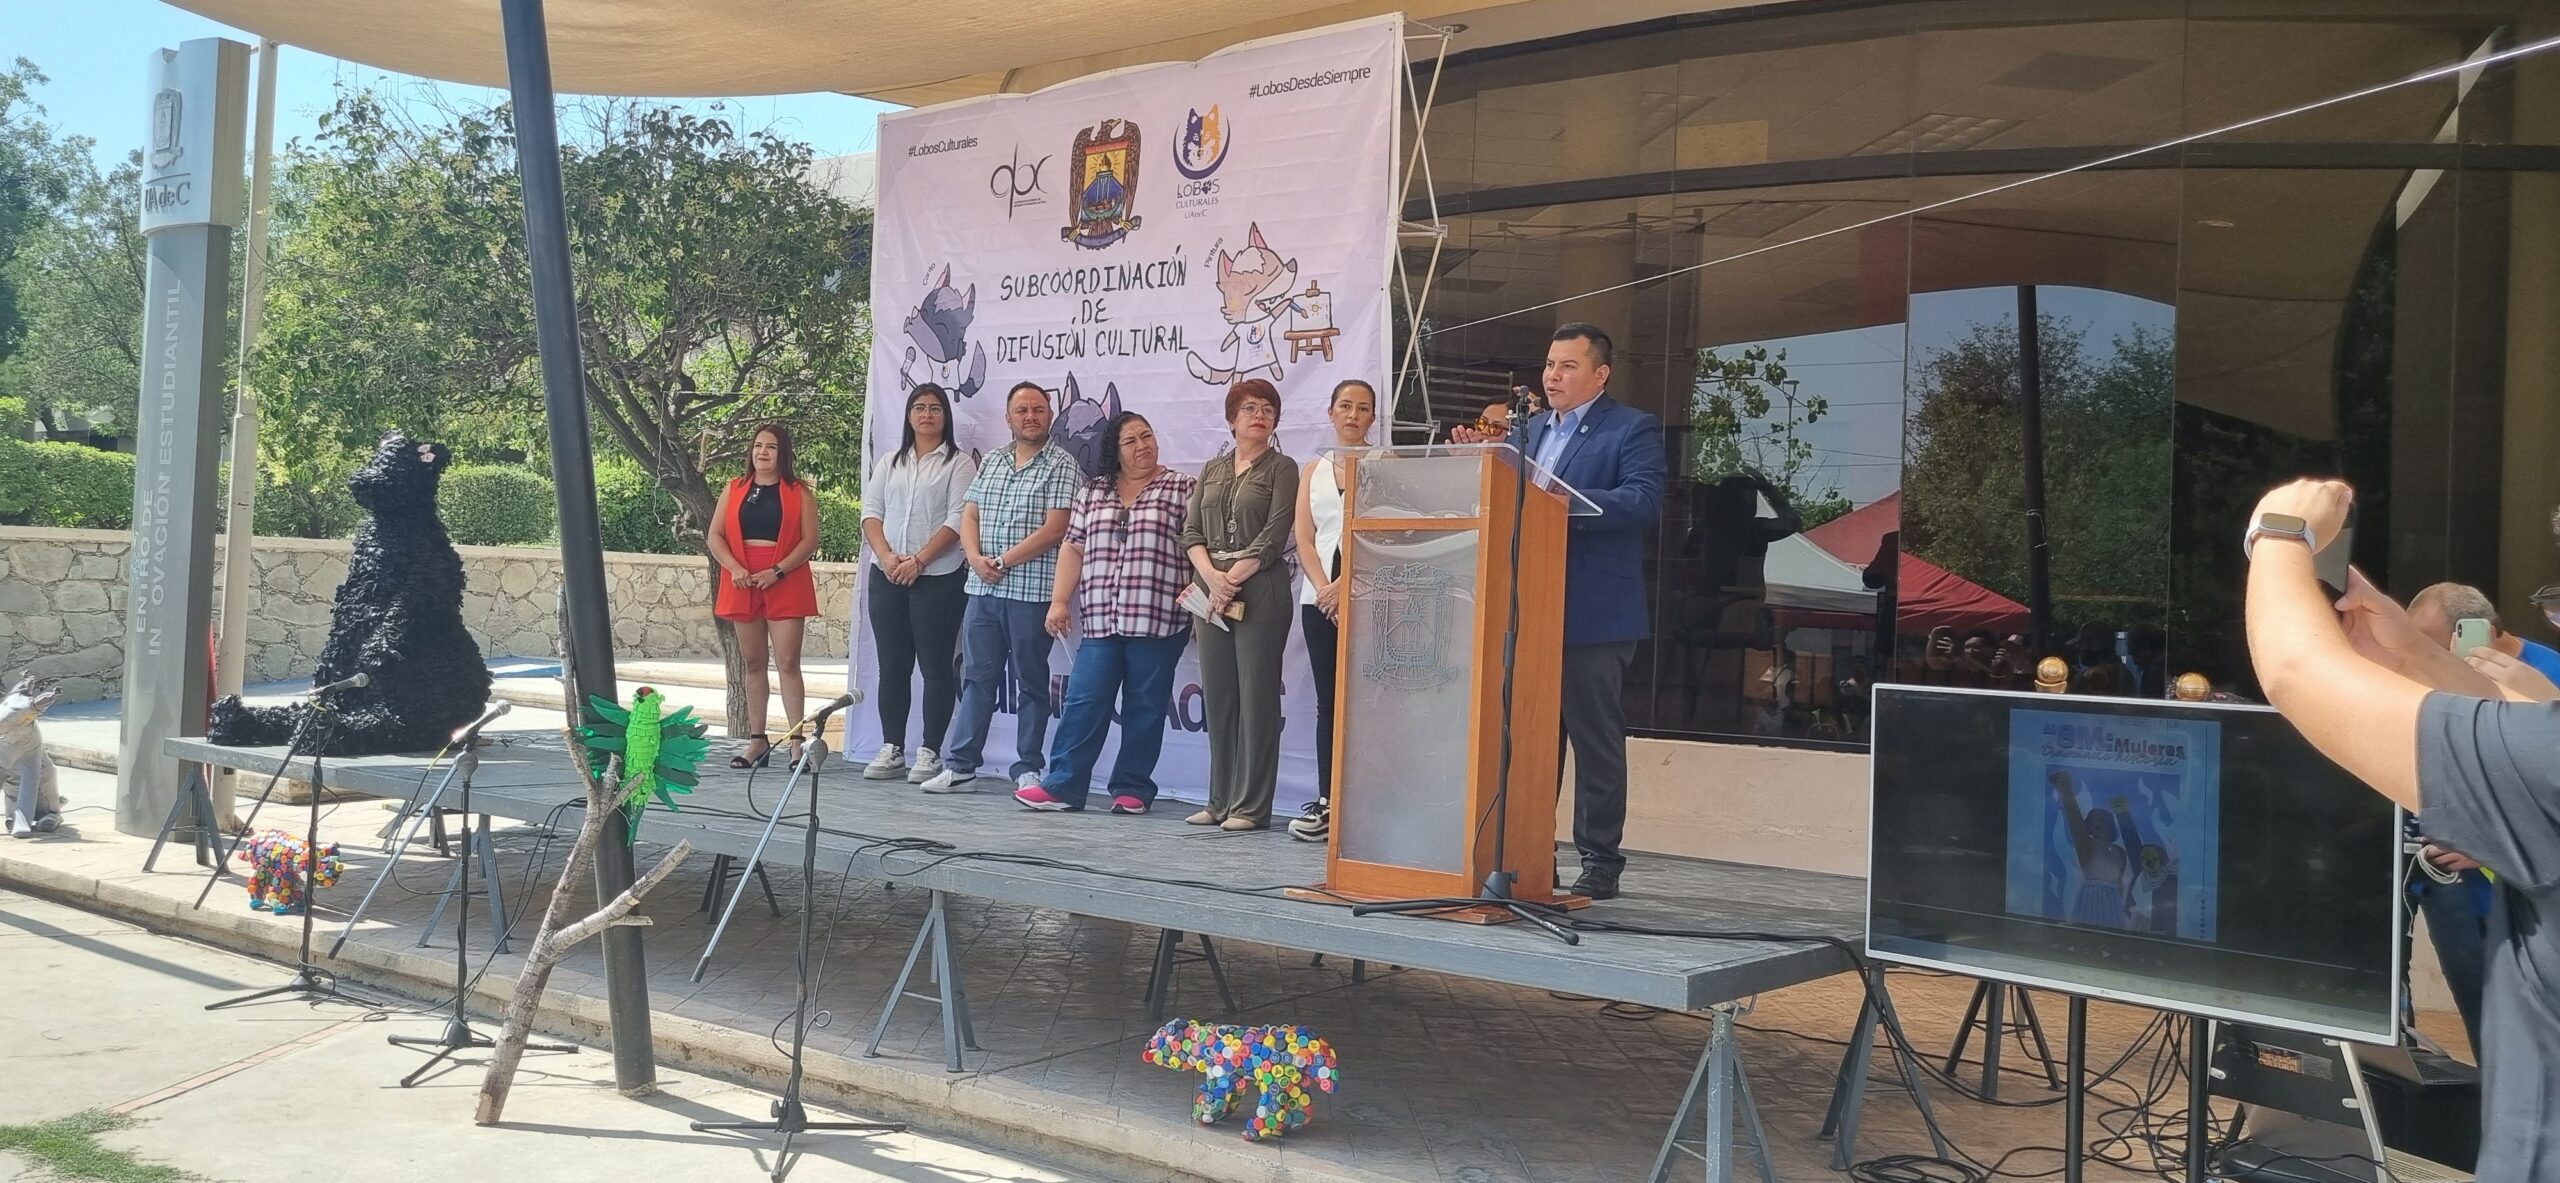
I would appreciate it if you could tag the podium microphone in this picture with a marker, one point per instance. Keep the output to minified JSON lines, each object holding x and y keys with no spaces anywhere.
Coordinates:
{"x":354,"y":681}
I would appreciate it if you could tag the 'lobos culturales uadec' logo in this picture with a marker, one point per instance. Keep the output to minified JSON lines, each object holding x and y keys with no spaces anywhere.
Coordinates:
{"x":1103,"y":188}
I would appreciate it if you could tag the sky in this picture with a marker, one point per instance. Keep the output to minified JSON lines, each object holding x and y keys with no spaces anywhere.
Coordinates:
{"x":93,"y":50}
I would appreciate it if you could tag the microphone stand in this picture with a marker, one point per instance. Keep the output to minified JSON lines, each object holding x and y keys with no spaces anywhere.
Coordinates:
{"x":307,"y":978}
{"x":1497,"y":891}
{"x":791,"y":1118}
{"x":457,"y":1035}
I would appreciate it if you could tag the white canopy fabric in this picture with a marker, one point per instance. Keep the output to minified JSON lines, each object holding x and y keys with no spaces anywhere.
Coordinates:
{"x":1802,"y":575}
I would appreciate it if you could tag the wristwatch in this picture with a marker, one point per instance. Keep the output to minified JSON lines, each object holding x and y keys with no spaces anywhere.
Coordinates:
{"x":2277,"y":525}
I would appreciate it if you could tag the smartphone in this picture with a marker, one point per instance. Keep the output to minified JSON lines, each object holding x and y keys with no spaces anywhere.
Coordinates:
{"x":2333,"y":560}
{"x":2469,"y":633}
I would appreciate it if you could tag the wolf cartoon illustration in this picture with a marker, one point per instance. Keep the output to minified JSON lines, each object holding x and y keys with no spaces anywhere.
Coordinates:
{"x":939,"y":327}
{"x":1253,"y":289}
{"x":1204,"y":143}
{"x":1082,"y":421}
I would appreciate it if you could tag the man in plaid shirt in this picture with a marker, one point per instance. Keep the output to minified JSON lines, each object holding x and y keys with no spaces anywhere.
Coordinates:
{"x":1015,"y":513}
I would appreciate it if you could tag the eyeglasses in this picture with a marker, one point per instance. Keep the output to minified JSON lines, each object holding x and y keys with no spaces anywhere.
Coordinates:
{"x":926,"y":409}
{"x":2547,"y":598}
{"x":1257,"y":411}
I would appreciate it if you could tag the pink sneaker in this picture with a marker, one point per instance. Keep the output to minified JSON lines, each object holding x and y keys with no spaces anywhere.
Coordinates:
{"x":1128,"y":804}
{"x":1035,"y":797}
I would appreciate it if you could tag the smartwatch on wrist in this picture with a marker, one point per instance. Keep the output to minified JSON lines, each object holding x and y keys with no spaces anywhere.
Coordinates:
{"x":2277,"y":525}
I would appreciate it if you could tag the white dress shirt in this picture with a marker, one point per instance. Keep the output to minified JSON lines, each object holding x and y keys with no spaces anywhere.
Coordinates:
{"x":914,"y":497}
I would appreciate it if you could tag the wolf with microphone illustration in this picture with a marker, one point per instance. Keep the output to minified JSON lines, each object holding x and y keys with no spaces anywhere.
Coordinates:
{"x":938,"y":331}
{"x":398,"y":621}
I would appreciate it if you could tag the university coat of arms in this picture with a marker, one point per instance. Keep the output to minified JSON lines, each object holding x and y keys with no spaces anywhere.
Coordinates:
{"x":1103,"y":169}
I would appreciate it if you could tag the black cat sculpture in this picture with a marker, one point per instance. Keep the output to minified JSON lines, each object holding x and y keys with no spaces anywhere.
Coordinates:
{"x":398,"y":618}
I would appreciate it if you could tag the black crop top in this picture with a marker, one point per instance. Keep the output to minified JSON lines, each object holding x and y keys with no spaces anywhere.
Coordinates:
{"x":760,"y":513}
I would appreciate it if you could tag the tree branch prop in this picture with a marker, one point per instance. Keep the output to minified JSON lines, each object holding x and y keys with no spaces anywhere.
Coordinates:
{"x":555,"y":940}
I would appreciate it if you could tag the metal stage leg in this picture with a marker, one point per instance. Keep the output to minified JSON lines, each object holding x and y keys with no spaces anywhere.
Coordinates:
{"x":1720,"y":1071}
{"x":1849,"y":1089}
{"x":957,"y":1033}
{"x":722,"y":867}
{"x":193,"y":794}
{"x":1169,"y":953}
{"x":475,"y":843}
{"x":1359,"y":968}
{"x":1996,"y":1010}
{"x":418,"y":812}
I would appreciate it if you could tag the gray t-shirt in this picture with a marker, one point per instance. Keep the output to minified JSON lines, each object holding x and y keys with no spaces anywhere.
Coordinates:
{"x":2489,"y":786}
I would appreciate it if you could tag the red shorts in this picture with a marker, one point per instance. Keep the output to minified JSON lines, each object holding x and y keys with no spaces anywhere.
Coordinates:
{"x":796,"y":596}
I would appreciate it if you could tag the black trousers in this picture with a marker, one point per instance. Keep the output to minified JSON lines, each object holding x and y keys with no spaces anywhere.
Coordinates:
{"x":917,"y":626}
{"x":1324,"y":640}
{"x":1595,"y":724}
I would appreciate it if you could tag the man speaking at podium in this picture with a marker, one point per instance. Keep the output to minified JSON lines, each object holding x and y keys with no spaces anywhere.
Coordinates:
{"x":1612,"y":453}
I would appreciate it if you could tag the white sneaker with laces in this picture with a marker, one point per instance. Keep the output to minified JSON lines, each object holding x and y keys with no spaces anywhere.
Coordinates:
{"x":927,"y":766}
{"x":952,"y":780}
{"x":890,"y":764}
{"x":1028,"y":780}
{"x":1313,"y":824}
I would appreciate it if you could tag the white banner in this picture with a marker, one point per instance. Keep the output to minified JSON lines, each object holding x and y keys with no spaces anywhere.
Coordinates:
{"x":1137,"y":241}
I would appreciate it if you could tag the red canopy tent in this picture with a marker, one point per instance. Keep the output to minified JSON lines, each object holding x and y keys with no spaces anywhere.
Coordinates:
{"x":1930,"y":595}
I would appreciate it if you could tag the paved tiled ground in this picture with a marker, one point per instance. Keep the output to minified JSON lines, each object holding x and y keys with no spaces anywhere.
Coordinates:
{"x":1446,"y":1079}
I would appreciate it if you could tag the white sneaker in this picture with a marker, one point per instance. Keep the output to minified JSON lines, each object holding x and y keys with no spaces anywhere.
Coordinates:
{"x":1028,"y":780}
{"x":951,"y":780}
{"x":888,"y":765}
{"x":926,"y":767}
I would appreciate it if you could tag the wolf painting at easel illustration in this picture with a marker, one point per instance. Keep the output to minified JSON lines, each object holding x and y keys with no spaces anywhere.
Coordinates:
{"x":939,"y":328}
{"x":1254,"y":287}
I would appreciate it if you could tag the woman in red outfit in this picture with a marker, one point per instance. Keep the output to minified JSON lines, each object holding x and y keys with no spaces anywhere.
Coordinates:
{"x":763,"y":536}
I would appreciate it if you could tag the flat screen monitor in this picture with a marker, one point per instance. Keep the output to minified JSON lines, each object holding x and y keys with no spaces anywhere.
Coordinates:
{"x":2193,"y":857}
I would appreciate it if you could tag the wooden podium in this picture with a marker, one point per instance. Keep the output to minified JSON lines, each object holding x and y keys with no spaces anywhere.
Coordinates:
{"x":1417,"y":737}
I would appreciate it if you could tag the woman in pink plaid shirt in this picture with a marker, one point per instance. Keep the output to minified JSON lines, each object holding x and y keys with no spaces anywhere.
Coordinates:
{"x":1122,"y":568}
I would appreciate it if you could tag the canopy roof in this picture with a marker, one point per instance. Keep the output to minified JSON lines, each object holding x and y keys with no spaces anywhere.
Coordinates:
{"x":1930,"y":595}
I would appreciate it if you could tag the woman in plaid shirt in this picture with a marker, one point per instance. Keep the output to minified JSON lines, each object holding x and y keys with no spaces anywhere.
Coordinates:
{"x":1121,"y":565}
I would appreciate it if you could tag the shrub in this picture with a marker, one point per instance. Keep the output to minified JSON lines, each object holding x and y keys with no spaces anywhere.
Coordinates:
{"x":839,"y":527}
{"x":633,"y":513}
{"x":306,"y":504}
{"x":58,"y":484}
{"x":496,"y":505}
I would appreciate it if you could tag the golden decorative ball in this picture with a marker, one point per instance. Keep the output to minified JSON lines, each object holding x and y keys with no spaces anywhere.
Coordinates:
{"x":2192,"y":687}
{"x":2053,"y":675}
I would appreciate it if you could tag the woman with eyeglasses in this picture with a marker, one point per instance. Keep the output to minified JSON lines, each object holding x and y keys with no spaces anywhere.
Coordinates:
{"x":1121,"y":567}
{"x":1243,"y":519}
{"x":1354,"y":411}
{"x":911,"y":502}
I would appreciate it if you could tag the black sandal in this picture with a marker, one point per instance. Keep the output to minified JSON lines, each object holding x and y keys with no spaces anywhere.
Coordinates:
{"x":763,"y":758}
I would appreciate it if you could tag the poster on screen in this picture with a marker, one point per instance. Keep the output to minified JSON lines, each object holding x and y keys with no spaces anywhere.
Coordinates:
{"x":1140,"y":240}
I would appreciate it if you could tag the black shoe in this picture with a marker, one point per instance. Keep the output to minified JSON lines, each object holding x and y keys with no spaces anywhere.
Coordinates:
{"x":1597,"y":884}
{"x":1313,"y":824}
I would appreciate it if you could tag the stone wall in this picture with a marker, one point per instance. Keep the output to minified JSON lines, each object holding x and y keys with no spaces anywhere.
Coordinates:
{"x":62,"y":600}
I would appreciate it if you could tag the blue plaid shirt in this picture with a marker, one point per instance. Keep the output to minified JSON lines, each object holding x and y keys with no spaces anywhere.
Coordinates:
{"x":1012,"y":501}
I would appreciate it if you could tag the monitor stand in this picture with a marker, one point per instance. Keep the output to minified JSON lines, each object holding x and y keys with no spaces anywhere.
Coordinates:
{"x":2308,"y":1116}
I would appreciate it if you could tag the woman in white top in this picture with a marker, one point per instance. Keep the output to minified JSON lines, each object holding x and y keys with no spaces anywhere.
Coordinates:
{"x":1354,"y":411}
{"x":911,"y":501}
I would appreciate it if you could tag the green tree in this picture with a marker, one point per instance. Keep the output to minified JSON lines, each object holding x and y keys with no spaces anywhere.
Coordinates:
{"x":718,"y":289}
{"x":2107,"y":467}
{"x":1744,"y":410}
{"x":81,"y":274}
{"x":30,"y":183}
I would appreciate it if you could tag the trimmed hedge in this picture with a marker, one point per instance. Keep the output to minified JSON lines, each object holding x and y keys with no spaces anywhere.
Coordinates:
{"x":633,"y":512}
{"x":839,"y":527}
{"x":70,"y":485}
{"x":496,"y":505}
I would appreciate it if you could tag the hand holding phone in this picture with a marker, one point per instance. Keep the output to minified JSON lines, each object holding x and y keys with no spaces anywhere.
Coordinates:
{"x":2469,"y":633}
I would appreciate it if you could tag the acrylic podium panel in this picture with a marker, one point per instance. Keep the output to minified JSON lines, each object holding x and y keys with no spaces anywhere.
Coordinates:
{"x":1418,"y":723}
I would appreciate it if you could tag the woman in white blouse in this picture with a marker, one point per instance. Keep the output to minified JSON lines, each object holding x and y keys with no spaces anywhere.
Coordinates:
{"x":911,"y":501}
{"x":1353,"y":412}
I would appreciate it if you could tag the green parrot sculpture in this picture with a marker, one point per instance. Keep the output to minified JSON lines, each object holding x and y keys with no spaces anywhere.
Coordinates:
{"x":659,"y":750}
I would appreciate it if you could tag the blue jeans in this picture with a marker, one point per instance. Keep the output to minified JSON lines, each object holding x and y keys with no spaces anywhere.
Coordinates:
{"x":2460,"y":935}
{"x":993,"y":633}
{"x":1140,"y":671}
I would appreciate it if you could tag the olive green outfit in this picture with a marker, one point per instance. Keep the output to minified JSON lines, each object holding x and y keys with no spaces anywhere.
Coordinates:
{"x":1252,"y":515}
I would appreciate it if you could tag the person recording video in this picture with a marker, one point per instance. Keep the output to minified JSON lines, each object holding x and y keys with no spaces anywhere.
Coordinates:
{"x":2428,"y":730}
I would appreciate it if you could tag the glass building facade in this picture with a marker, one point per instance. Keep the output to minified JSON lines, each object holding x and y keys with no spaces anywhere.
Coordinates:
{"x":1815,"y":230}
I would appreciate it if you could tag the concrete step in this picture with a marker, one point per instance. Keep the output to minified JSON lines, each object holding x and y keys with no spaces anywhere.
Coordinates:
{"x":824,"y":677}
{"x":709,"y":703}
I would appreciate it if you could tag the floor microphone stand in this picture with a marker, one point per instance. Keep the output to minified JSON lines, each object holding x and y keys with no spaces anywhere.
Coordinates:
{"x":1497,"y":891}
{"x":308,"y":979}
{"x":292,"y":748}
{"x":790,"y":1117}
{"x":458,"y":1035}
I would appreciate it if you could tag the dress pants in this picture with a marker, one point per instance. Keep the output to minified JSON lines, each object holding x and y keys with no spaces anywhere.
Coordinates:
{"x":995,"y":633}
{"x":917,"y":627}
{"x":1240,"y":689}
{"x":1139,"y":672}
{"x":1595,"y":723}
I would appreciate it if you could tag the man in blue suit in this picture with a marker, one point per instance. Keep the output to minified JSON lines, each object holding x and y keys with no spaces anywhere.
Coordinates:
{"x":1613,"y":454}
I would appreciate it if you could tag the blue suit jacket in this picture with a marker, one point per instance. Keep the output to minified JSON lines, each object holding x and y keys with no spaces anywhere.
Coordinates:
{"x":1615,"y":459}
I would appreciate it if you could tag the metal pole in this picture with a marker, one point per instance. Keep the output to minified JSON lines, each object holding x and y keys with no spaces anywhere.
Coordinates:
{"x":2031,"y":429}
{"x":231,"y":667}
{"x":590,"y":639}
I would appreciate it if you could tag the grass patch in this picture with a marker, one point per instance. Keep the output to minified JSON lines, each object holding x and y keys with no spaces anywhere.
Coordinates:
{"x":67,"y":1148}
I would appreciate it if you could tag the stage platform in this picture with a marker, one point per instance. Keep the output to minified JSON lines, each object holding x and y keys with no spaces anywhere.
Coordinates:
{"x":1130,"y":869}
{"x":1194,"y":882}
